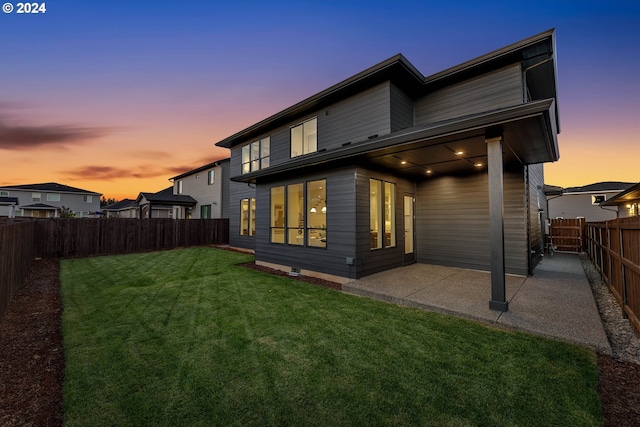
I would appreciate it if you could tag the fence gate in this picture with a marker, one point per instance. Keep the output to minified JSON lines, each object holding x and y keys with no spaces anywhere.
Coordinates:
{"x":567,"y":235}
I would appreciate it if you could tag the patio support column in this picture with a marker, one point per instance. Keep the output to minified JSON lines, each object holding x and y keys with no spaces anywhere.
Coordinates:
{"x":496,"y":223}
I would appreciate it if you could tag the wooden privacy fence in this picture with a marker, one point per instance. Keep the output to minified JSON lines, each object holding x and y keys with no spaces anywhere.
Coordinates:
{"x":567,"y":235}
{"x":21,"y":241}
{"x":614,"y":248}
{"x":16,"y":256}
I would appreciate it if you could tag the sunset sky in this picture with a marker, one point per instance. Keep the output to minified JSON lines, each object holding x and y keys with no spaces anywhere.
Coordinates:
{"x":118,"y":96}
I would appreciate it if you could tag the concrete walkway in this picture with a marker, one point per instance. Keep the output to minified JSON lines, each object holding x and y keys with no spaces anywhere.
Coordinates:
{"x":556,"y":302}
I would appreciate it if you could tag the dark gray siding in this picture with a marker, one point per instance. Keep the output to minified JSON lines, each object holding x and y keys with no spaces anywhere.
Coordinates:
{"x":355,"y":119}
{"x":237,"y":192}
{"x":225,"y":166}
{"x":401,"y":110}
{"x":536,"y":208}
{"x":452,"y":222}
{"x":340,"y":227}
{"x":376,"y":260}
{"x":501,"y":88}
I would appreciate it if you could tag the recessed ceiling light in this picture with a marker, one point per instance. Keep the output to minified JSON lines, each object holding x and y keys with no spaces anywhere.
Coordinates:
{"x":478,"y":165}
{"x":429,"y":171}
{"x":404,"y":162}
{"x":459,"y":153}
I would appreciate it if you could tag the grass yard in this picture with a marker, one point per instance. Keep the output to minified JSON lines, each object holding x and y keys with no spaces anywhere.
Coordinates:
{"x":185,"y":337}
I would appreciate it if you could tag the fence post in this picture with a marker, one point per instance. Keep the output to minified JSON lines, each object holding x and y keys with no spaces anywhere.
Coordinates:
{"x":623,"y":275}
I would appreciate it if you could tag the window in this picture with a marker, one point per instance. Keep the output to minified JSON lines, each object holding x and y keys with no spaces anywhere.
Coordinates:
{"x":248,"y":217}
{"x":298,"y":214}
{"x":205,"y":212}
{"x":317,"y":214}
{"x":4,"y":194}
{"x":211,"y":177}
{"x":277,"y":215}
{"x":53,"y":197}
{"x":257,"y":155}
{"x":382,"y":215}
{"x":88,"y":199}
{"x":597,"y":199}
{"x":179,"y":187}
{"x":36,"y":197}
{"x":304,"y":138}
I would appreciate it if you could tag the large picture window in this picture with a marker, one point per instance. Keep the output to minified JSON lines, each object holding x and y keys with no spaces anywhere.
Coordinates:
{"x":248,"y":217}
{"x":304,"y":138}
{"x":257,"y":155}
{"x":382,"y":216}
{"x":298,"y":214}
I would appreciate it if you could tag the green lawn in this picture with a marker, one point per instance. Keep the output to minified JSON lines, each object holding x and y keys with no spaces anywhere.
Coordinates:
{"x":185,"y":337}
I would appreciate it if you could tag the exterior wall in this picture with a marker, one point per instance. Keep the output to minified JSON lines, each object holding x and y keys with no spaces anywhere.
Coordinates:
{"x":574,"y":205}
{"x":401,"y":110}
{"x":237,"y":192}
{"x":225,"y":182}
{"x":125,"y":213}
{"x":498,"y":89}
{"x":352,"y":120}
{"x":537,"y":212}
{"x":341,"y":227}
{"x":369,"y":260}
{"x":198,"y":187}
{"x":452,"y":222}
{"x":73,"y":201}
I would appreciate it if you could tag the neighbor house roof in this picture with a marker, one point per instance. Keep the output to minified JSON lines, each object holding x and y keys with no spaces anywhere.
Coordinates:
{"x":600,"y":186}
{"x":49,"y":186}
{"x":122,"y":204}
{"x":630,"y":194}
{"x":200,"y":169}
{"x":166,"y":197}
{"x":537,"y":50}
{"x":40,"y":206}
{"x":8,"y":200}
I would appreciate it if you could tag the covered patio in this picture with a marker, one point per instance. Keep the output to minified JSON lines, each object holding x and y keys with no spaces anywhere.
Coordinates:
{"x":556,"y":302}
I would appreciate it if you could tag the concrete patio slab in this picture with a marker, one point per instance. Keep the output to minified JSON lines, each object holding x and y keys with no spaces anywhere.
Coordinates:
{"x":556,"y":302}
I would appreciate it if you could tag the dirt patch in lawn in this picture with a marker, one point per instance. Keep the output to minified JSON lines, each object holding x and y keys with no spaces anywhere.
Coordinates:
{"x":32,"y":360}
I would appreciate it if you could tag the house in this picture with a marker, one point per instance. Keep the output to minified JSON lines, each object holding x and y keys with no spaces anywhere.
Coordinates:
{"x":389,"y":167}
{"x":208,"y":185}
{"x":162,"y":203}
{"x":46,"y":199}
{"x":626,"y":202}
{"x":126,"y":208}
{"x":584,"y":202}
{"x":8,"y":206}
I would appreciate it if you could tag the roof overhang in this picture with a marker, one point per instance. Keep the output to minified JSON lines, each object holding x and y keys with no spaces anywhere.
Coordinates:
{"x":529,"y":133}
{"x":631,"y":194}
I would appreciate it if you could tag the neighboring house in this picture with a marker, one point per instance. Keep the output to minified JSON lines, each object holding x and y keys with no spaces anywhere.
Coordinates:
{"x":584,"y":202}
{"x":626,"y":202}
{"x":389,"y":167}
{"x":126,"y":208}
{"x":161,"y":204}
{"x":8,"y":206}
{"x":208,"y":185}
{"x":46,"y":199}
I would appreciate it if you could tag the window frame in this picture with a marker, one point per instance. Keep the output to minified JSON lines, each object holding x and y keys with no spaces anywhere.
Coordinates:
{"x":179,"y":187}
{"x":204,"y":208}
{"x":304,"y":149}
{"x":301,"y":227}
{"x":256,"y":155}
{"x":386,"y":213}
{"x":250,"y":220}
{"x":51,"y":197}
{"x":87,"y":198}
{"x":211,"y":177}
{"x":36,"y":197}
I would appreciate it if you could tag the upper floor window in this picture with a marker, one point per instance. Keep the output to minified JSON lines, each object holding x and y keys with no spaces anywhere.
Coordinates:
{"x":211,"y":177}
{"x":304,"y":138}
{"x":4,"y":193}
{"x":36,"y":197}
{"x":53,"y":197}
{"x":598,"y":198}
{"x":179,"y":187}
{"x":87,"y":198}
{"x":257,"y":155}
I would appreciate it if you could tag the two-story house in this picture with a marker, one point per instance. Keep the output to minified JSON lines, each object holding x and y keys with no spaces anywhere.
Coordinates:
{"x":45,"y":200}
{"x":586,"y":201}
{"x":390,"y":167}
{"x":208,"y":185}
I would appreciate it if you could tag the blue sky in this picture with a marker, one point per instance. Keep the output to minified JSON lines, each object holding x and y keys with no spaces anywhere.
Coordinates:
{"x":119,"y":96}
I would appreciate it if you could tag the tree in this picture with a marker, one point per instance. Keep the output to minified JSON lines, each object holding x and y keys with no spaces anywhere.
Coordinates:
{"x":64,"y":212}
{"x":104,"y":201}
